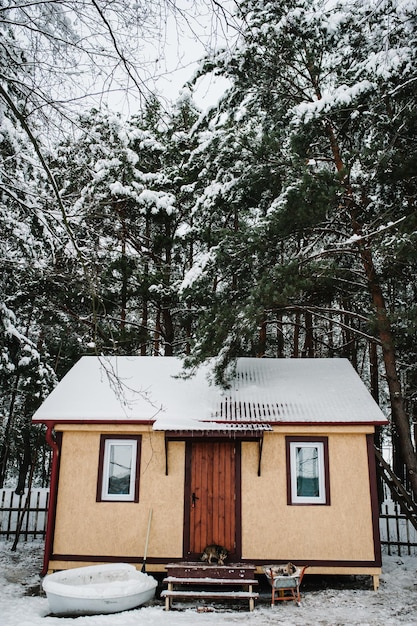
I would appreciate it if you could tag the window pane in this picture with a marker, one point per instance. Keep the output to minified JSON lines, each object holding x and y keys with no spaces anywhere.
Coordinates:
{"x":307,"y":472}
{"x":307,"y":479}
{"x":120,"y":469}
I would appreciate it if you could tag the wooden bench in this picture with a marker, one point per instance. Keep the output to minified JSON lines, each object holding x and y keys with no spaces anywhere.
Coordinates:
{"x":188,"y":575}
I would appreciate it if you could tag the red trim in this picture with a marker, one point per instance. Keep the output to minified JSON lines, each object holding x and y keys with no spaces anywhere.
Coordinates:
{"x":55,"y":444}
{"x":87,"y":421}
{"x":187,"y":497}
{"x":325,"y":441}
{"x":103,"y":438}
{"x":238,"y":495}
{"x":158,"y":561}
{"x":220,"y":423}
{"x":373,"y":486}
{"x":220,"y":433}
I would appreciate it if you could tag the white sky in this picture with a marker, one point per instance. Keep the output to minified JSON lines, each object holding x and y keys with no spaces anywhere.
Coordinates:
{"x":184,"y":49}
{"x":171,"y":60}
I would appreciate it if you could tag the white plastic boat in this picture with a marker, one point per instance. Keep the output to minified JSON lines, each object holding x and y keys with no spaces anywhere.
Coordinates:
{"x":97,"y":589}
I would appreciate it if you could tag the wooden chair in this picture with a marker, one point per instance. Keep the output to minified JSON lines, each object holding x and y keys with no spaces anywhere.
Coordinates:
{"x":284,"y":587}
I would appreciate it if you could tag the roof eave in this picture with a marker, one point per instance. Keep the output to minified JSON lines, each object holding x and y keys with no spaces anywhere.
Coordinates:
{"x":221,"y":425}
{"x":53,"y":422}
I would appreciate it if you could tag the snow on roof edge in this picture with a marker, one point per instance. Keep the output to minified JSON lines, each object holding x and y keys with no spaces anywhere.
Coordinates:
{"x":147,"y":389}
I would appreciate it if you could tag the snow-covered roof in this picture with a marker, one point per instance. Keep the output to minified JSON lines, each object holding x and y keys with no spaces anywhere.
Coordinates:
{"x":262,"y":391}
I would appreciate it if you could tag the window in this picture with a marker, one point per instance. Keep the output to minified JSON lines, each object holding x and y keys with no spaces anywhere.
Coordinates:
{"x":307,"y":471}
{"x":119,"y":465}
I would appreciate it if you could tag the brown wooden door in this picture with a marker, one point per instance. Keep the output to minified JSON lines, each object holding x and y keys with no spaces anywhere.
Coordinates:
{"x":212,"y":497}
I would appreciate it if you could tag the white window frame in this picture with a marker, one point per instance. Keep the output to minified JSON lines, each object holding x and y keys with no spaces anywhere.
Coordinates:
{"x":322,"y":497}
{"x":119,"y":497}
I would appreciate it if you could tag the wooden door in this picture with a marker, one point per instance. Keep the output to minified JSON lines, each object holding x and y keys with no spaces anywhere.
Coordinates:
{"x":212,"y":497}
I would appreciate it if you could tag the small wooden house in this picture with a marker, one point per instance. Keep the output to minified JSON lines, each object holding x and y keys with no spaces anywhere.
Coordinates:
{"x":279,"y":467}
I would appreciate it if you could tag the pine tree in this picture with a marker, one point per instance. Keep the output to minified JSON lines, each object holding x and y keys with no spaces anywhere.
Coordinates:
{"x":130,"y":206}
{"x":323,"y":82}
{"x":26,"y":250}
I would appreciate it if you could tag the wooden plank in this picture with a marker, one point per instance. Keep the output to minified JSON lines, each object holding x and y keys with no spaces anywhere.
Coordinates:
{"x":200,"y":570}
{"x":36,"y":516}
{"x":217,"y":524}
{"x":196,"y":502}
{"x":204,"y":503}
{"x":224,"y":491}
{"x":34,"y":522}
{"x":10,"y":509}
{"x":398,"y":491}
{"x":208,"y":500}
{"x":193,"y":593}
{"x":189,"y":574}
{"x":209,"y":581}
{"x":213,"y":516}
{"x":230,"y":503}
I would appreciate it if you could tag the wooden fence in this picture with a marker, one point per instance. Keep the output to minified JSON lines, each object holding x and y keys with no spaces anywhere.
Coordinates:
{"x":28,"y":510}
{"x":398,"y":535}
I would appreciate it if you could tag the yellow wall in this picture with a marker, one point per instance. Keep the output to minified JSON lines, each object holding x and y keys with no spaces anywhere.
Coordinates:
{"x":342,"y":531}
{"x":86,"y":527}
{"x":271,"y":530}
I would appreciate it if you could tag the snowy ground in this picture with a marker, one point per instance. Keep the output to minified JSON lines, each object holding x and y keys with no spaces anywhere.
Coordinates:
{"x":329,"y":602}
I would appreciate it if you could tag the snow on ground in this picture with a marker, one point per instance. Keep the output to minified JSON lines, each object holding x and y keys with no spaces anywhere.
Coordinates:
{"x":327,"y":602}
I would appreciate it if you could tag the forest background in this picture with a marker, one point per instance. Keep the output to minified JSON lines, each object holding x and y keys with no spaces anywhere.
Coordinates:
{"x":279,"y":222}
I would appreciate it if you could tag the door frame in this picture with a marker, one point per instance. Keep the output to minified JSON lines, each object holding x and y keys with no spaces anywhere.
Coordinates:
{"x":237,"y":555}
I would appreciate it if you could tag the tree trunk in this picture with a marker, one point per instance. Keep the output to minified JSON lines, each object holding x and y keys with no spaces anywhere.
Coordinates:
{"x":25,"y":509}
{"x":262,"y":338}
{"x":399,"y":416}
{"x":373,"y":370}
{"x":25,"y":463}
{"x":374,"y":379}
{"x":144,"y":327}
{"x":145,"y":310}
{"x":157,"y":333}
{"x":349,"y":337}
{"x":5,"y":445}
{"x":280,"y":337}
{"x":296,"y":340}
{"x":308,"y":349}
{"x":123,"y":294}
{"x":168,"y":332}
